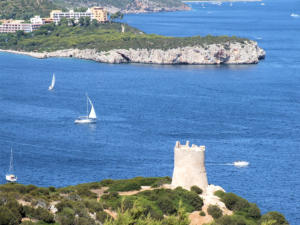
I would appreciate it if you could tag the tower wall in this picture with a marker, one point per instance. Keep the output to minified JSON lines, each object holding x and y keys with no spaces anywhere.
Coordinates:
{"x":189,"y":166}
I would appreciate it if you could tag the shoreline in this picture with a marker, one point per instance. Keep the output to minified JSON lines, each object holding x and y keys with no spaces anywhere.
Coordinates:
{"x":214,"y":1}
{"x":213,"y":54}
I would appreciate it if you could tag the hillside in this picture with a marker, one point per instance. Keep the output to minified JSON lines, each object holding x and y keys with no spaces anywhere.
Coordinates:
{"x":25,"y":9}
{"x":128,"y":6}
{"x":134,"y":201}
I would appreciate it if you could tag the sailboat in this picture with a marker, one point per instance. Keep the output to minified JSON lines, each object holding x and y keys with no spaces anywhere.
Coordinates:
{"x":91,"y":116}
{"x":10,"y":176}
{"x":52,"y":83}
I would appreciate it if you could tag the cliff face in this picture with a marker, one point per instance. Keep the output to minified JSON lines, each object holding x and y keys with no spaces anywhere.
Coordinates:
{"x":229,"y":53}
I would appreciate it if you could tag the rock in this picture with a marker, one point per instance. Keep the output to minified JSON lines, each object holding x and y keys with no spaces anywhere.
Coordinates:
{"x":247,"y":52}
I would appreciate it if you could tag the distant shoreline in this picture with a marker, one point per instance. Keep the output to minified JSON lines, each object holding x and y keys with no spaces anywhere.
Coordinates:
{"x":210,"y":1}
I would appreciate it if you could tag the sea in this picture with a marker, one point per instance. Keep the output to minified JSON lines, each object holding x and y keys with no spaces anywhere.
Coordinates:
{"x":239,"y":112}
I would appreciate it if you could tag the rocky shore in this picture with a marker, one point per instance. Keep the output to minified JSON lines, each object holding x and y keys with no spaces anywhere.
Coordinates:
{"x":228,"y":53}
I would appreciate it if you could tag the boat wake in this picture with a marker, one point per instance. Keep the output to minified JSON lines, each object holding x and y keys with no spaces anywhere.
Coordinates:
{"x":295,"y":15}
{"x":238,"y":164}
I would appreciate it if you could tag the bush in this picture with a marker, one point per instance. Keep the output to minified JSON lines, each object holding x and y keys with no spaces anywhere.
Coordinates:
{"x":214,"y":211}
{"x":52,"y":189}
{"x":254,"y":211}
{"x":66,"y":216}
{"x":7,"y":217}
{"x":102,"y":216}
{"x":219,"y":193}
{"x":202,"y":213}
{"x":274,"y":216}
{"x":196,"y":189}
{"x":166,"y":205}
{"x":44,"y":214}
{"x":230,"y":200}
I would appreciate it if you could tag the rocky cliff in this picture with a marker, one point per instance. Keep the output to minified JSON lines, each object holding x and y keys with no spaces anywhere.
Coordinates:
{"x":229,"y":53}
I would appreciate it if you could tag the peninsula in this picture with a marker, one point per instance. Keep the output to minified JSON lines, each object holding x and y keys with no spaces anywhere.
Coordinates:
{"x":120,"y":43}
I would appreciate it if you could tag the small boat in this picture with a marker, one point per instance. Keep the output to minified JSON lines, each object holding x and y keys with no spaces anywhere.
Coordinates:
{"x":241,"y":163}
{"x":91,"y":116}
{"x":10,"y":176}
{"x":52,"y":83}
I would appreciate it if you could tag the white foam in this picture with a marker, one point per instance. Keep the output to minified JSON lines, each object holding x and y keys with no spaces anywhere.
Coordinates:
{"x":295,"y":15}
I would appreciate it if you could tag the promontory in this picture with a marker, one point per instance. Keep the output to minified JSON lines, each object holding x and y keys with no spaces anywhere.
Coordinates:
{"x":120,"y":43}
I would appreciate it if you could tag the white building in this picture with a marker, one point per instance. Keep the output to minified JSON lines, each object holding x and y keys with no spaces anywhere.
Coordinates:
{"x":36,"y":20}
{"x":57,"y":15}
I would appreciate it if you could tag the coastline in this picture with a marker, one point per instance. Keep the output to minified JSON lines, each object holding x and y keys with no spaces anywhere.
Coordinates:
{"x":213,"y":1}
{"x":213,"y":54}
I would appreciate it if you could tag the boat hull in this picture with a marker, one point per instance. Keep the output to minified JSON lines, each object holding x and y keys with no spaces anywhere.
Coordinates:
{"x":11,"y":178}
{"x":84,"y":121}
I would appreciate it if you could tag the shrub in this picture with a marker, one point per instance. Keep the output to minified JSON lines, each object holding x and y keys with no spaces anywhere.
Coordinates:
{"x":202,"y":213}
{"x":219,"y":193}
{"x":44,"y":214}
{"x":102,"y":216}
{"x":214,"y":211}
{"x":196,"y":189}
{"x":166,"y":205}
{"x":52,"y":189}
{"x":230,"y":200}
{"x":274,"y":216}
{"x":7,"y":217}
{"x":254,"y":211}
{"x":66,"y":217}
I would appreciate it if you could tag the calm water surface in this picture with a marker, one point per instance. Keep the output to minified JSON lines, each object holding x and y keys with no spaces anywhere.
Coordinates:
{"x":246,"y":113}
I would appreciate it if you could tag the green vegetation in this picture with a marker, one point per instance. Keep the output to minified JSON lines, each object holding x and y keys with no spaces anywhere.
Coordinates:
{"x":214,"y":211}
{"x":102,"y":37}
{"x":196,"y":189}
{"x":25,"y":9}
{"x":105,"y":202}
{"x":245,"y":212}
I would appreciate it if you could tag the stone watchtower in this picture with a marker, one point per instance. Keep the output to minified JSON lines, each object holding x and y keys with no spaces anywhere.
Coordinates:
{"x":189,"y":167}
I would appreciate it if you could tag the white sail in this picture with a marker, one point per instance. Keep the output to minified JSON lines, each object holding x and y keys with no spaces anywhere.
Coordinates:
{"x":52,"y":83}
{"x":92,"y":114}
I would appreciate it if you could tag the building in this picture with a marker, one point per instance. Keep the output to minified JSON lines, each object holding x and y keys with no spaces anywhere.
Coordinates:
{"x":96,"y":13}
{"x":57,"y":15}
{"x":99,"y":14}
{"x":36,"y":20}
{"x":189,"y":166}
{"x":12,"y":26}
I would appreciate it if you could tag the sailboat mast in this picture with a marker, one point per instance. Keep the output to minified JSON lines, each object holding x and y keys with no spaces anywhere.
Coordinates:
{"x":11,"y":162}
{"x":87,"y":106}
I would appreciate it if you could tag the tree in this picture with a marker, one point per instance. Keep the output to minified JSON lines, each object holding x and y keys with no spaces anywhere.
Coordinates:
{"x":87,"y":21}
{"x":214,"y":211}
{"x":95,"y":23}
{"x":81,"y":21}
{"x":117,"y":15}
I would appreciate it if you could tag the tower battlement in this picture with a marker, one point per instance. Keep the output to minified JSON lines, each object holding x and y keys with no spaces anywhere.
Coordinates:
{"x":189,"y":166}
{"x":187,"y":147}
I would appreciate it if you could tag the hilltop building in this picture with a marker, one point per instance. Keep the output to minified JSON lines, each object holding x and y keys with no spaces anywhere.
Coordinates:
{"x":96,"y":13}
{"x":189,"y":166}
{"x":12,"y":26}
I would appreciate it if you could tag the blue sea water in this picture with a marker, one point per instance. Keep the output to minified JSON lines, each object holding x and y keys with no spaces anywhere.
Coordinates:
{"x":246,"y":112}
